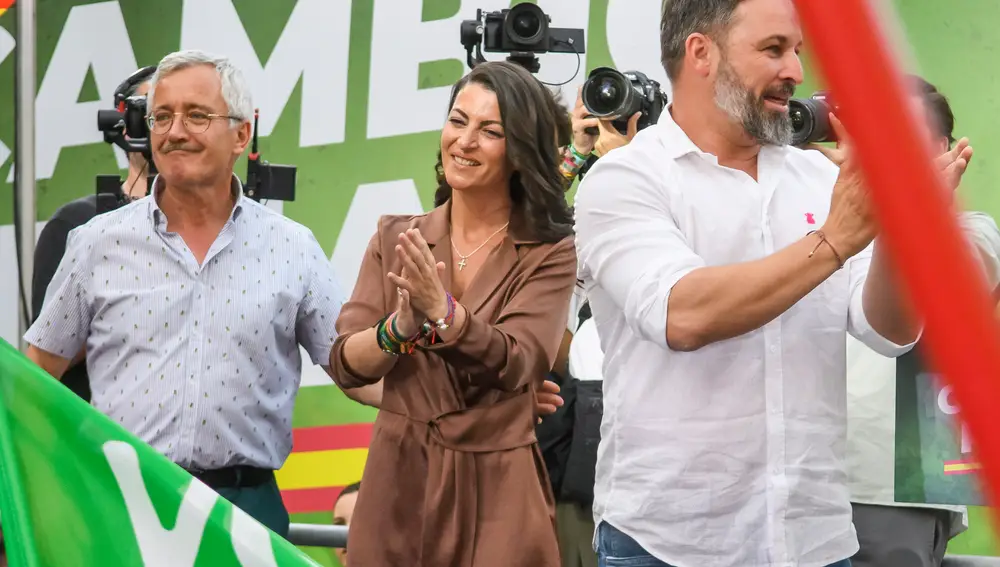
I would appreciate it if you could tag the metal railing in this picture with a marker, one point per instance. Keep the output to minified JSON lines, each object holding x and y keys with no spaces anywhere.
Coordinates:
{"x":970,"y":561}
{"x":312,"y":535}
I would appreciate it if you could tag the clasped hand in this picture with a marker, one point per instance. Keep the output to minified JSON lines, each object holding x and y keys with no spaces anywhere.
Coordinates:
{"x":851,"y":222}
{"x":421,"y":294}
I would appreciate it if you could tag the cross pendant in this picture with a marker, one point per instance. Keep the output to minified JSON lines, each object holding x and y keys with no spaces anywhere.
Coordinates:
{"x":461,"y":264}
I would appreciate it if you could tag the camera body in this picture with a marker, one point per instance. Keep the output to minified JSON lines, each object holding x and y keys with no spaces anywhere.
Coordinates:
{"x":125,"y":125}
{"x":609,"y":92}
{"x":523,"y":31}
{"x":811,"y":119}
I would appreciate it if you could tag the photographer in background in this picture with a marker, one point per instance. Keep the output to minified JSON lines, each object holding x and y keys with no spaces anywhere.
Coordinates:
{"x":569,"y":437}
{"x":51,"y":244}
{"x":592,"y":138}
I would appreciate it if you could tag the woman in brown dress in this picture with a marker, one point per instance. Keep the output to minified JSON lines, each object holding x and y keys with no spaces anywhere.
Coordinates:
{"x":462,"y":311}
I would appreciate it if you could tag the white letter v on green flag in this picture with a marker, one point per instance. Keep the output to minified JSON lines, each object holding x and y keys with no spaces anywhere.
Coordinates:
{"x":178,"y":547}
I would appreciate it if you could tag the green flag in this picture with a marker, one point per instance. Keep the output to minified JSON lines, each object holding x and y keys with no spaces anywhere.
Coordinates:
{"x":77,"y":489}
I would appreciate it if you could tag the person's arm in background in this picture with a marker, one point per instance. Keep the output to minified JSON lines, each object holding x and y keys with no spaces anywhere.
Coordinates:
{"x":585,"y":132}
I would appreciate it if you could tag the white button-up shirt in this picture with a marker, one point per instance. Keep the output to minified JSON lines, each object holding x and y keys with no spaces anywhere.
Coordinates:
{"x":732,"y":455}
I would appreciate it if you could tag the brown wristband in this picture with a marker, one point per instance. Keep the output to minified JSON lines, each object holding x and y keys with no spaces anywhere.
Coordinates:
{"x":823,"y":240}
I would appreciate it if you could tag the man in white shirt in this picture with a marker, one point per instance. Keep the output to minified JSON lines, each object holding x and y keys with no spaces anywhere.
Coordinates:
{"x":724,"y":271}
{"x":891,"y":533}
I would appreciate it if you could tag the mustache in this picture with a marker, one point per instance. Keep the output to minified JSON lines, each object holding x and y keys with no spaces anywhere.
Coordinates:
{"x":785,"y":89}
{"x":167,"y":148}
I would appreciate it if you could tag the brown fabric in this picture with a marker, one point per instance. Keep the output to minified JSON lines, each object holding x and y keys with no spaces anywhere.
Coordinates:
{"x":454,"y":476}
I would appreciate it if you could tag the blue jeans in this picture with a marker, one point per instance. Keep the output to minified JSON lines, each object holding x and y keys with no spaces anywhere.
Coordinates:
{"x":615,"y":549}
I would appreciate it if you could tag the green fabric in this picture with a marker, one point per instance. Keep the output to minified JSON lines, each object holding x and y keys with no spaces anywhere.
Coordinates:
{"x":74,"y":484}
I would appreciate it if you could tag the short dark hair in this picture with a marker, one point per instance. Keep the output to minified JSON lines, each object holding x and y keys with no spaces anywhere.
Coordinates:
{"x":531,"y":119}
{"x":681,"y":18}
{"x":349,"y":489}
{"x":938,"y":106}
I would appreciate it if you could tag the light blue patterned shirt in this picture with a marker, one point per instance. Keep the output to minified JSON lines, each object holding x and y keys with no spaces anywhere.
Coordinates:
{"x":201,"y":362}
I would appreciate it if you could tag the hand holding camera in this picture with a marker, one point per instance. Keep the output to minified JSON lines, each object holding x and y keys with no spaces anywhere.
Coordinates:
{"x":610,"y":138}
{"x":585,"y":126}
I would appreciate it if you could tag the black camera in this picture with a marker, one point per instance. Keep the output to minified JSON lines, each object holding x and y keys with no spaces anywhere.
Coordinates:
{"x":811,"y":119}
{"x":522,"y":31}
{"x":608,"y":92}
{"x":126,"y":127}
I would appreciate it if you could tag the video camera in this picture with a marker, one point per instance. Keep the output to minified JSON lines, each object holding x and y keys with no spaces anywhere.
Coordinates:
{"x":522,"y":31}
{"x":608,"y":92}
{"x":811,"y":119}
{"x":126,"y":127}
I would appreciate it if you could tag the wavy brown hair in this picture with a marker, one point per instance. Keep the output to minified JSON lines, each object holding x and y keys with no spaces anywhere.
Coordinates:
{"x":532,"y":119}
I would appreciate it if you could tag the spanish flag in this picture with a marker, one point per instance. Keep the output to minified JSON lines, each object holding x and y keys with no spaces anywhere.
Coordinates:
{"x":961,"y":467}
{"x":329,"y":448}
{"x":5,"y":5}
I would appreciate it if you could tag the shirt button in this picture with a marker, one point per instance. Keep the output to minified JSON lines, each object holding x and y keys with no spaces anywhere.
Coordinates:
{"x":773,"y":348}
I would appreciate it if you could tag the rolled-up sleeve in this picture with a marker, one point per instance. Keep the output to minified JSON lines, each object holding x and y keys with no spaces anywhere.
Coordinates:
{"x":64,"y":323}
{"x":857,"y":322}
{"x":629,"y":244}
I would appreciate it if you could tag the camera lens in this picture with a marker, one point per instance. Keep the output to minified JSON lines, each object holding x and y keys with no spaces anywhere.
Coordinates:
{"x":798,"y":120}
{"x":526,"y":25}
{"x":609,"y":93}
{"x":810,"y":121}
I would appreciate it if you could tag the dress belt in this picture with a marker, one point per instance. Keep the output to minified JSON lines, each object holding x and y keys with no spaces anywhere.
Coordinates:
{"x":505,"y":425}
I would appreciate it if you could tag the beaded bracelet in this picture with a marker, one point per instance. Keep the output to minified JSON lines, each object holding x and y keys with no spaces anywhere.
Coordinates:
{"x":390,"y":340}
{"x":580,"y":158}
{"x":431,"y":327}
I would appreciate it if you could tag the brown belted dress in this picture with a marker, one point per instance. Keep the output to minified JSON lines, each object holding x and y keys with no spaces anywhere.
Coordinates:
{"x":454,"y":476}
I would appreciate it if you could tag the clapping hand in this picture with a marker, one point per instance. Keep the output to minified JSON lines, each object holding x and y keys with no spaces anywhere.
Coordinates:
{"x":407,"y":320}
{"x":421,"y":276}
{"x":953,"y":163}
{"x":851,"y":224}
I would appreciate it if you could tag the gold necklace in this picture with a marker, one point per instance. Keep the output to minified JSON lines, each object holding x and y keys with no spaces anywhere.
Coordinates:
{"x":464,"y":257}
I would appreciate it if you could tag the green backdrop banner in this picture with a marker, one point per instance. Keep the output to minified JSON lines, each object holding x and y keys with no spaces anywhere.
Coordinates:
{"x":354,"y":93}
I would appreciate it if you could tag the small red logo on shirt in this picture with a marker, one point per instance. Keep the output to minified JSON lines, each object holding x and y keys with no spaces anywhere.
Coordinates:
{"x":810,"y":219}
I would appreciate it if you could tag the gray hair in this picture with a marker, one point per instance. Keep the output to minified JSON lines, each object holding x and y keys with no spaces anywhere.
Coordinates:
{"x":235,"y":90}
{"x":681,"y":18}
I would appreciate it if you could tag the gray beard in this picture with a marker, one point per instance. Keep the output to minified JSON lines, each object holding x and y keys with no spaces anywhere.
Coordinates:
{"x":743,"y":107}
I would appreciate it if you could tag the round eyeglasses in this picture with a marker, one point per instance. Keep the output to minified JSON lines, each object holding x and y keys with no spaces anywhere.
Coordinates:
{"x":194,"y":121}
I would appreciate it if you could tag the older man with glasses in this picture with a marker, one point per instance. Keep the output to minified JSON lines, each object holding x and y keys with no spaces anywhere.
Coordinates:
{"x":191,"y":303}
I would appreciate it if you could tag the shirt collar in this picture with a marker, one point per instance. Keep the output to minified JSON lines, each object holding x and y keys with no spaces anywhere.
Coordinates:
{"x":678,"y":144}
{"x":158,"y":216}
{"x":674,"y":139}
